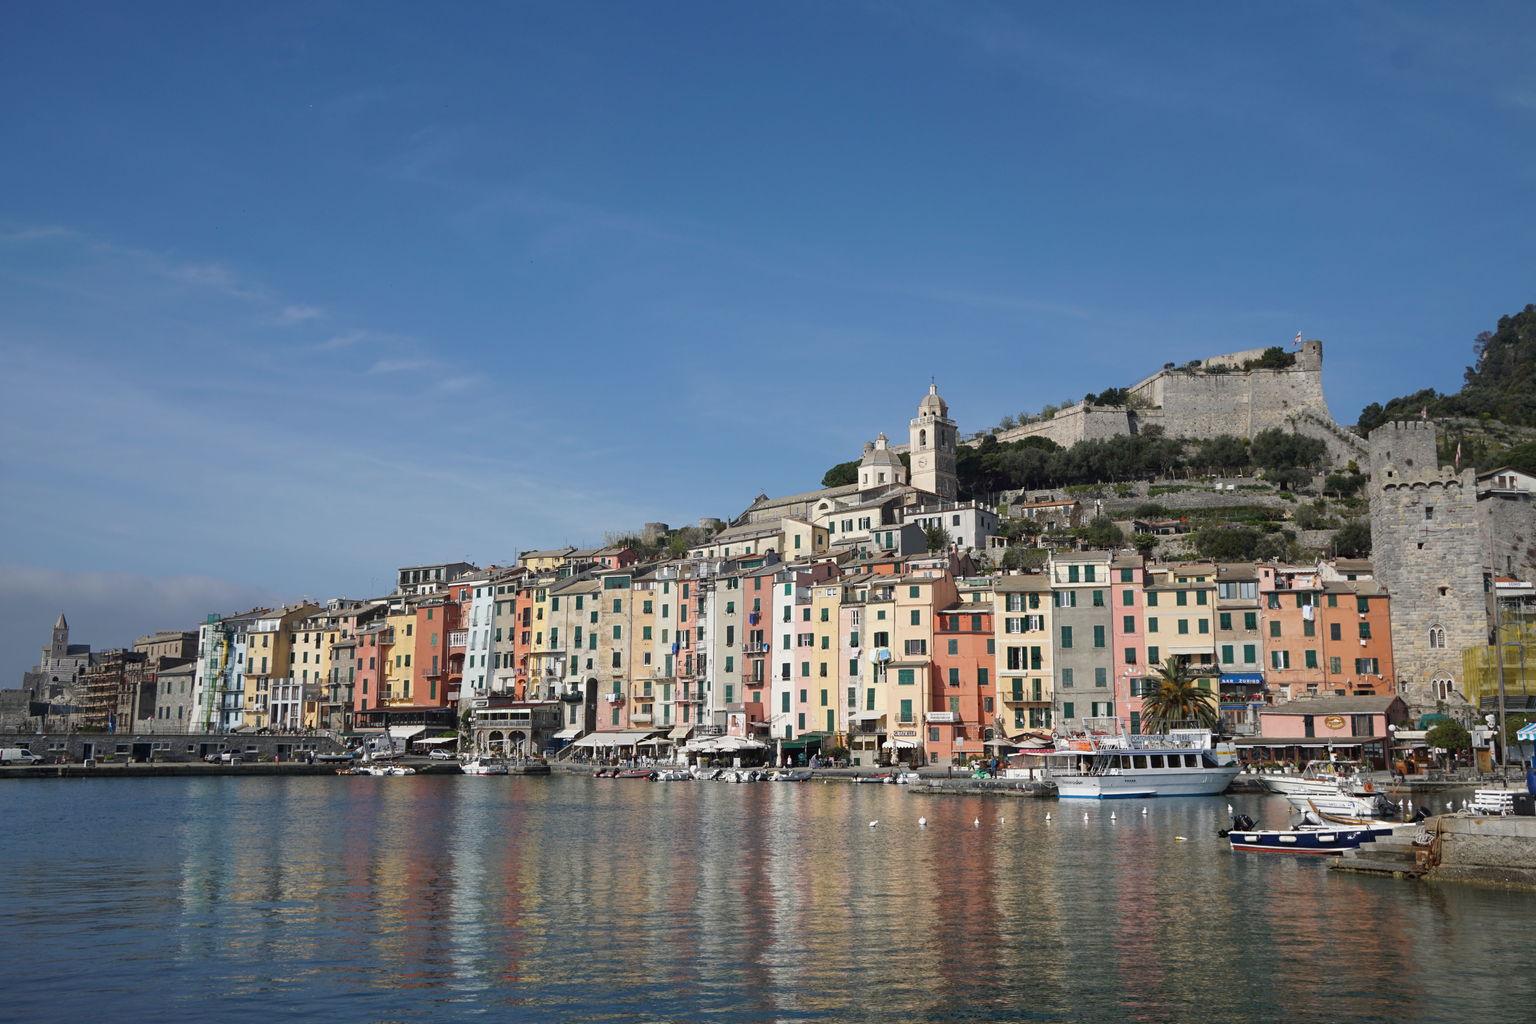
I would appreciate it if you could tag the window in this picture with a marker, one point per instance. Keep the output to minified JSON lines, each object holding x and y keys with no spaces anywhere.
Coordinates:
{"x":954,"y":677}
{"x":1183,"y":627}
{"x":1128,"y":597}
{"x":1152,"y":653}
{"x":1365,"y":631}
{"x":1098,"y":636}
{"x":906,"y":677}
{"x":1066,"y":599}
{"x":1151,"y":624}
{"x":1224,"y":621}
{"x":954,"y":647}
{"x":1128,"y":624}
{"x":1308,"y":627}
{"x":1066,"y":636}
{"x":1309,"y":658}
{"x":1250,"y":653}
{"x":1066,"y":678}
{"x":1334,"y":666}
{"x":1335,"y":631}
{"x":1274,"y":627}
{"x":1366,"y":666}
{"x":916,"y":647}
{"x":1130,"y":655}
{"x":1250,"y":620}
{"x":1436,"y":636}
{"x":1098,"y":599}
{"x":1101,"y":676}
{"x":1279,"y":659}
{"x":917,"y":617}
{"x":1068,"y":710}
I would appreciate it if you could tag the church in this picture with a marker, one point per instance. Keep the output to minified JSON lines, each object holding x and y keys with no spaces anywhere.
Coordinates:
{"x":60,"y":667}
{"x":886,"y":491}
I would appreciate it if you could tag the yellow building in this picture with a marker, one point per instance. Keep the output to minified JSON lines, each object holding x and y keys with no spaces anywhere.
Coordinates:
{"x":1025,"y":669}
{"x":272,"y":698}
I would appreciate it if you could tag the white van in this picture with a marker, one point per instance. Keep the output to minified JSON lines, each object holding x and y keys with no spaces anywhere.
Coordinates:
{"x":18,"y":755}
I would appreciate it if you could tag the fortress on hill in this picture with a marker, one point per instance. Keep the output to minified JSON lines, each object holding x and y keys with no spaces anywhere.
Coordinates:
{"x":1210,"y":397}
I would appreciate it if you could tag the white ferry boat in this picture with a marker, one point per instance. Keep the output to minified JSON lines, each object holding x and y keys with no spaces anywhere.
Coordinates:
{"x":1107,"y":762}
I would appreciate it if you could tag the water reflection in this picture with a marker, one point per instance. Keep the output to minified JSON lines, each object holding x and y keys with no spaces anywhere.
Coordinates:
{"x":439,"y":898}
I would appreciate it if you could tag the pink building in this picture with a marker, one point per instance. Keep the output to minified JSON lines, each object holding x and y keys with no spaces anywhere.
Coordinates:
{"x":1322,"y":728}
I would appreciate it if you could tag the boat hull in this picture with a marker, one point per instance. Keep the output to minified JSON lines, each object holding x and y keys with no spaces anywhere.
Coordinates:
{"x":1135,"y":784}
{"x":1322,"y":842}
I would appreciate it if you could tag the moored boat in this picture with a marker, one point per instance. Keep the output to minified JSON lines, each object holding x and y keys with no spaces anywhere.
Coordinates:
{"x":1322,"y":778}
{"x":479,"y":767}
{"x":1107,"y":763}
{"x":1311,"y":840}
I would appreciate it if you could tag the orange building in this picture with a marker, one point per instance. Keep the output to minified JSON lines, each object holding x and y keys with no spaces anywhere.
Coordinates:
{"x":964,"y":657}
{"x":1324,"y":638}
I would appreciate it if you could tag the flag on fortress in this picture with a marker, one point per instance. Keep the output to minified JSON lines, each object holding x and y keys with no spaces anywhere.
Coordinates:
{"x":1297,"y":342}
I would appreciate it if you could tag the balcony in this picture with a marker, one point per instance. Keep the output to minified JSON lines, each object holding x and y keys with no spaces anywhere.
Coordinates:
{"x":614,"y":698}
{"x":458,"y":638}
{"x":756,"y":647}
{"x":643,"y":718}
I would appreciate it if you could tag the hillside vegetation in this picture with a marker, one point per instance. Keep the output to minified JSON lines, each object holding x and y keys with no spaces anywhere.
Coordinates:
{"x":1500,"y":385}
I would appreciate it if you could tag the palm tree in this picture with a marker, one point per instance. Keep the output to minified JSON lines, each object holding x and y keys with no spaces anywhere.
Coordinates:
{"x":1178,"y":698}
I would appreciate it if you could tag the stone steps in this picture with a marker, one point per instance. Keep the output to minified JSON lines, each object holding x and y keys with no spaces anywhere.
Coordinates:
{"x":1389,"y":855}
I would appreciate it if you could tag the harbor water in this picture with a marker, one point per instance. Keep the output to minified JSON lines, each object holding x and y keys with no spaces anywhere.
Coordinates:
{"x":450,"y":898}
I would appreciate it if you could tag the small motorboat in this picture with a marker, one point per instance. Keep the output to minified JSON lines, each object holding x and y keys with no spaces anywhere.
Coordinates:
{"x":1348,"y":805}
{"x":1245,"y":838}
{"x":672,"y":775}
{"x":633,"y":773}
{"x":479,"y":767}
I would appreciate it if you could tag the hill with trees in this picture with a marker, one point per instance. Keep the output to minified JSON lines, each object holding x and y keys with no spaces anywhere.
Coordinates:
{"x":1500,"y":385}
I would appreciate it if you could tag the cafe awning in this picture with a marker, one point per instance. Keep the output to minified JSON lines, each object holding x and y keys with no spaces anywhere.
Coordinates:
{"x":437,"y":741}
{"x":899,"y":744}
{"x":680,"y":732}
{"x":568,"y":733}
{"x":623,"y":738}
{"x":405,"y":732}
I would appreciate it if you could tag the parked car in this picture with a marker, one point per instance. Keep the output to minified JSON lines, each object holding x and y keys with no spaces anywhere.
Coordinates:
{"x":18,"y":755}
{"x":439,"y":754}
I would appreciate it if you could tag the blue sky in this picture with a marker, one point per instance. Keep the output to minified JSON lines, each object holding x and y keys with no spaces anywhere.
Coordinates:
{"x":294,"y":293}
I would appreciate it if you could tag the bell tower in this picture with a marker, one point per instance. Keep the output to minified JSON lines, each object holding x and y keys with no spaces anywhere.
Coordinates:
{"x":933,"y":441}
{"x":60,"y":644}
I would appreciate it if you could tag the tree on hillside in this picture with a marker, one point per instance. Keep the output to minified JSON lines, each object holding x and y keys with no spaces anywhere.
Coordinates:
{"x":1272,"y":358}
{"x":1103,"y":533}
{"x":1353,"y":540}
{"x":1275,"y":449}
{"x":1177,"y":698}
{"x":841,"y":475}
{"x":1222,"y":454}
{"x":936,"y":537}
{"x":1227,"y":543}
{"x":1500,"y":385}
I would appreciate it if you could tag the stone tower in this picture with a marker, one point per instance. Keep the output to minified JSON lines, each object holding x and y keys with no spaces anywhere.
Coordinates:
{"x":932,"y":448}
{"x":1428,"y":545}
{"x":59,"y":646}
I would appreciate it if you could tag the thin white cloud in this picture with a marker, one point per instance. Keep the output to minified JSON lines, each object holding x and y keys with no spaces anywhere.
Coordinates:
{"x":454,"y":385}
{"x":292,"y":315}
{"x":37,"y":234}
{"x":346,"y":339}
{"x":215,"y":277}
{"x":400,"y":365}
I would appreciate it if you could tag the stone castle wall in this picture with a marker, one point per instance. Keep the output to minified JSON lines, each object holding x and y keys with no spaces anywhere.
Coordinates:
{"x":1192,"y":402}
